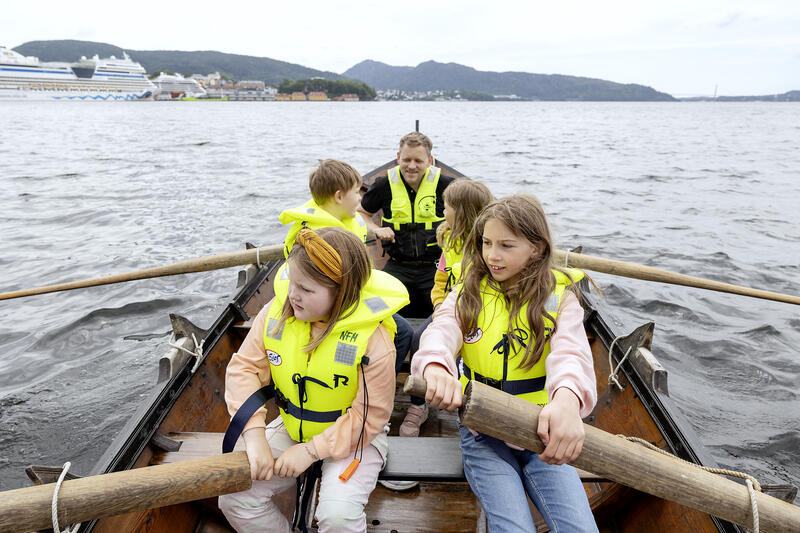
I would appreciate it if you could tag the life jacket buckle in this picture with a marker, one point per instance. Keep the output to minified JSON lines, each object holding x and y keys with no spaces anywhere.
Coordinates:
{"x":494,"y":383}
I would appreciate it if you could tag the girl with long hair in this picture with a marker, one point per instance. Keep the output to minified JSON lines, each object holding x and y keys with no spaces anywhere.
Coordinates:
{"x":517,"y":323}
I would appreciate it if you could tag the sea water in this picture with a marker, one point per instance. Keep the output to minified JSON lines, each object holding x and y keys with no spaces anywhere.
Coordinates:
{"x":92,"y":189}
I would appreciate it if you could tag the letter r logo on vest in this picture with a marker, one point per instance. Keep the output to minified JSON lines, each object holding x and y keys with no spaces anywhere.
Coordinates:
{"x":274,"y":358}
{"x":475,"y":337}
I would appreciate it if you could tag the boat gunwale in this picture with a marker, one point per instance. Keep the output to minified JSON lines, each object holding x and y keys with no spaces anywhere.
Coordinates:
{"x":135,"y":435}
{"x":672,"y":424}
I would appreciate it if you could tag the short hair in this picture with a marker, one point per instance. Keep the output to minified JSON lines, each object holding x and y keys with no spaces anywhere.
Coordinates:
{"x":331,"y":176}
{"x":416,"y":138}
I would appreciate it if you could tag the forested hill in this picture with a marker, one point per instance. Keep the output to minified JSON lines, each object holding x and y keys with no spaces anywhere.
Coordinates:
{"x":235,"y":66}
{"x":428,"y":76}
{"x":432,"y":76}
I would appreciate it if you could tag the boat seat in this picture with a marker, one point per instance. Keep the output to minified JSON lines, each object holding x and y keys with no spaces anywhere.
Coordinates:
{"x":436,"y":459}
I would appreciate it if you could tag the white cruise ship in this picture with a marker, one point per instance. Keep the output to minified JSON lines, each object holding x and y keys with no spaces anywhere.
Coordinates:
{"x":175,"y":87}
{"x":110,"y":78}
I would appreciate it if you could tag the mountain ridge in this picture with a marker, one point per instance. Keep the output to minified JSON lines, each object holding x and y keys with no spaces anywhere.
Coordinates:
{"x":432,"y":75}
{"x":427,"y":76}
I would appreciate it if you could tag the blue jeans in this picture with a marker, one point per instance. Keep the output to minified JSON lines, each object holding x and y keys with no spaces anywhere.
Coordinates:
{"x":402,"y":341}
{"x":556,"y":491}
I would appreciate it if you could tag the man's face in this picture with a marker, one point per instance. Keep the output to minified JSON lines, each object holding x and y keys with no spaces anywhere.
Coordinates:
{"x":413,"y":161}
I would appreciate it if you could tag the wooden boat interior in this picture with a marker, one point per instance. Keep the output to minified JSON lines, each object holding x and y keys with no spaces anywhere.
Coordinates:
{"x":185,"y":417}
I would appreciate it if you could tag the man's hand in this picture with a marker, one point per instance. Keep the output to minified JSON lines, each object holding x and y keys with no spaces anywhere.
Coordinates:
{"x":444,"y":391}
{"x":561,"y":428}
{"x":295,"y":460}
{"x":259,"y":454}
{"x":384,"y":234}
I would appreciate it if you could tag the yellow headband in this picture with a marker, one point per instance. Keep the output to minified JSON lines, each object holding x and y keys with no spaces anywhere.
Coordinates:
{"x":321,"y":253}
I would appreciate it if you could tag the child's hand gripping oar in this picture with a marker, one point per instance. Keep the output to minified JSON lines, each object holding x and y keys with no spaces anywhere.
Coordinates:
{"x":515,"y":421}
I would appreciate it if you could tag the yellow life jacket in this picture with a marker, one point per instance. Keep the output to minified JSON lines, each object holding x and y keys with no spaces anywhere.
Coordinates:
{"x":312,"y":216}
{"x":452,"y":259}
{"x":314,"y":389}
{"x":485,"y":354}
{"x":414,"y":224}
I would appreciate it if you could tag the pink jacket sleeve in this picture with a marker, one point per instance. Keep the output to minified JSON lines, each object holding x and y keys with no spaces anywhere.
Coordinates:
{"x":569,"y":364}
{"x":248,"y":371}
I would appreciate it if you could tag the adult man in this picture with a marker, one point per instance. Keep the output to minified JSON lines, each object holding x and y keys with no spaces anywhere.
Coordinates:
{"x":411,"y":197}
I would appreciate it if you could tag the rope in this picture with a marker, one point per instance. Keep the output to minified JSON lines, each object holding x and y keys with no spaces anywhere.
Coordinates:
{"x":54,"y":503}
{"x":197,"y":353}
{"x":612,"y":378}
{"x":752,"y":484}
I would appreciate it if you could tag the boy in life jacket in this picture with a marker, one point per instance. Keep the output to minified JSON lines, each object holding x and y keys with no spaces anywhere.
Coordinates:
{"x":322,"y":345}
{"x":335,"y":190}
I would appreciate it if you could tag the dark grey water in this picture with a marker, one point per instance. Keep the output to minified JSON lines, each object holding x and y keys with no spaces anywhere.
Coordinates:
{"x":706,"y":189}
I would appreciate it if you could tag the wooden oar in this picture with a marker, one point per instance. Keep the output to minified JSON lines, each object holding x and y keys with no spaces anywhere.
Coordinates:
{"x":79,"y":500}
{"x":211,"y":262}
{"x":632,"y":270}
{"x":268,"y":253}
{"x":511,"y":419}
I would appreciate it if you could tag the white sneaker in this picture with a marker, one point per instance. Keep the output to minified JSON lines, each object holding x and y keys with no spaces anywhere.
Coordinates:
{"x":415,"y":416}
{"x":398,"y":485}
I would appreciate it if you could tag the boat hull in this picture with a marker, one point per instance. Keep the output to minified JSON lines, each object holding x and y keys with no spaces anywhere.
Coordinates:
{"x":88,"y":95}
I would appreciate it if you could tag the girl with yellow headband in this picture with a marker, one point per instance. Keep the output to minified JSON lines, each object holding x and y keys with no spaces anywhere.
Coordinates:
{"x":324,"y":345}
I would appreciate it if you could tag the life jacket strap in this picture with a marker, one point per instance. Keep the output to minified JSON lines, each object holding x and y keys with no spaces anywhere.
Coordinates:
{"x":514,"y":387}
{"x":243,"y":415}
{"x":307,"y":415}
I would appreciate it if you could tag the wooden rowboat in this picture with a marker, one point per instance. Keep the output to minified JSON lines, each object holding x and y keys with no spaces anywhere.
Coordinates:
{"x":186,"y":414}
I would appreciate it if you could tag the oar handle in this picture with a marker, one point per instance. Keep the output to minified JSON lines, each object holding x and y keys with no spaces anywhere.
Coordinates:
{"x":514,"y":420}
{"x":89,"y":498}
{"x":415,"y":386}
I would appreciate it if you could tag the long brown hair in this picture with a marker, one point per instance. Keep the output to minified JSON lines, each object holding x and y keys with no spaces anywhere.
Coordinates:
{"x":356,"y":270}
{"x":467,"y":198}
{"x":524,"y":216}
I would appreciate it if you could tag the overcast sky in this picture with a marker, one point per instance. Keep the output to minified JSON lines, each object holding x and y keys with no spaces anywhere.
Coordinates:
{"x":682,"y":47}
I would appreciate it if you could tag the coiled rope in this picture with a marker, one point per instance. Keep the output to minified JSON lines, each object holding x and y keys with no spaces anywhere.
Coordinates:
{"x":752,"y":484}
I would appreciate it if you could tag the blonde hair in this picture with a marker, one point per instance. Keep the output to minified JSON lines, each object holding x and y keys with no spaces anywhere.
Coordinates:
{"x":416,"y":138}
{"x":467,"y":198}
{"x":356,"y":270}
{"x":524,"y":216}
{"x":330,"y":176}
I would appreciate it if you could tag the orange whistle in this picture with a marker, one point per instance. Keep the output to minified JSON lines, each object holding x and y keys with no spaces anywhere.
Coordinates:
{"x":348,"y":472}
